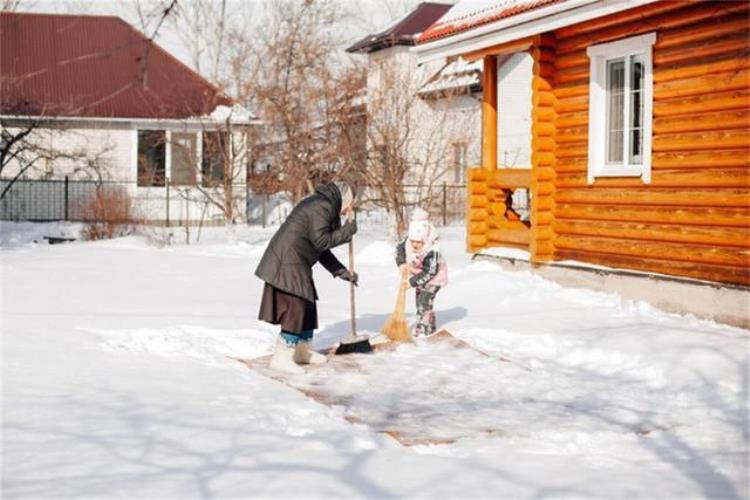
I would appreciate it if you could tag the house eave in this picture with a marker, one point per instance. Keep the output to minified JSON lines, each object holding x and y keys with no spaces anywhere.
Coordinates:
{"x":523,"y":25}
{"x":198,"y":123}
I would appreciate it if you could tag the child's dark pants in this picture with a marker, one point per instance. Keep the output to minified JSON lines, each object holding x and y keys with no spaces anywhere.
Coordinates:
{"x":425,"y":314}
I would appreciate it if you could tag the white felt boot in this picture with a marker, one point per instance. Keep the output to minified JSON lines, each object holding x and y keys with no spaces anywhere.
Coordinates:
{"x":283,"y":359}
{"x":306,"y":356}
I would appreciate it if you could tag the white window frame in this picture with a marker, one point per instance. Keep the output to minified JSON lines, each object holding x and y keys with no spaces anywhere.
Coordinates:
{"x":598,"y":56}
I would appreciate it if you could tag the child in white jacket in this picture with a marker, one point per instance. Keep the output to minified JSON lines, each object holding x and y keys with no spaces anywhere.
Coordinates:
{"x":419,"y":259}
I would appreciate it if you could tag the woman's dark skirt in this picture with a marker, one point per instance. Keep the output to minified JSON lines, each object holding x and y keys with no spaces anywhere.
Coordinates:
{"x":294,"y":314}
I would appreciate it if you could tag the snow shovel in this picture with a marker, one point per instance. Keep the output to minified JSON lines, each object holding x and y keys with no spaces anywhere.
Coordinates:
{"x":396,"y":328}
{"x":353,"y":342}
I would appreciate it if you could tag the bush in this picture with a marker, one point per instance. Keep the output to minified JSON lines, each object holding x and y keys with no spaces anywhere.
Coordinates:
{"x":106,"y":214}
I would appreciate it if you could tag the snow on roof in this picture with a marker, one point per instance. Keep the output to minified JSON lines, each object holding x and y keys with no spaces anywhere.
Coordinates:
{"x":456,"y":76}
{"x":236,"y":114}
{"x":468,"y":14}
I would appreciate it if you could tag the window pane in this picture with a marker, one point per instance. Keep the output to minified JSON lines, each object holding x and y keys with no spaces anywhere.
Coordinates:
{"x":615,"y":110}
{"x":637,"y":77}
{"x":151,"y":157}
{"x":215,"y":157}
{"x":183,"y":159}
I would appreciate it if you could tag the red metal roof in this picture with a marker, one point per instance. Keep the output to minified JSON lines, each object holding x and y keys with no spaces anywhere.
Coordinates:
{"x":469,"y":14}
{"x":93,"y":66}
{"x":403,"y":31}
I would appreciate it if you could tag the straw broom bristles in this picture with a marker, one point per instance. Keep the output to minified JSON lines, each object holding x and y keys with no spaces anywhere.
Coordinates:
{"x":396,"y":328}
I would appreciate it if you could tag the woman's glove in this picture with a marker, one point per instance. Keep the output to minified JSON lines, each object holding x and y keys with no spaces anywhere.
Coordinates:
{"x":347,"y":276}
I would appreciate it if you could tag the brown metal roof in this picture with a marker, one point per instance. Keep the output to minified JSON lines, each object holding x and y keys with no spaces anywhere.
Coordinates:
{"x":403,"y":31}
{"x":94,"y":66}
{"x":469,"y":14}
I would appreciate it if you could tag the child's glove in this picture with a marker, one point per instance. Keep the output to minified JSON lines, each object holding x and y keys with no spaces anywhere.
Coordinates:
{"x":347,"y":276}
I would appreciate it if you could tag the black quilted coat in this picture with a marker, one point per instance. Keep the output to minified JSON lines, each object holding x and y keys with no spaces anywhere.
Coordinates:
{"x":306,"y":237}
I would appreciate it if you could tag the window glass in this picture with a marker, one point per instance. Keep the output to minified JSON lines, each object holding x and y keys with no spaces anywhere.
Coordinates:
{"x":151,"y":157}
{"x":615,"y":109}
{"x":183,"y":159}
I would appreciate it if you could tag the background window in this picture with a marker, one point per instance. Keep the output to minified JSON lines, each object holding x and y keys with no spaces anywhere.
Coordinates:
{"x":151,"y":157}
{"x":184,"y":159}
{"x":215,"y":157}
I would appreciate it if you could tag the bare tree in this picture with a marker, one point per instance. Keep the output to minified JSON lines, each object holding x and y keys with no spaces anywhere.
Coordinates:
{"x":407,"y":140}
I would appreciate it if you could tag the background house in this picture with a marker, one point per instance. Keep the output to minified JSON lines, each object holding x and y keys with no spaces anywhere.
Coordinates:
{"x":103,"y":103}
{"x":639,"y":146}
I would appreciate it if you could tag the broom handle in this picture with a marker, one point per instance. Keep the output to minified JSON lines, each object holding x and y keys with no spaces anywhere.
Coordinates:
{"x":401,"y":299}
{"x":351,"y":286}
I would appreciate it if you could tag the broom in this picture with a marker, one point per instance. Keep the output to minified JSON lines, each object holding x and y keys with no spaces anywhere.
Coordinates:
{"x":396,"y":328}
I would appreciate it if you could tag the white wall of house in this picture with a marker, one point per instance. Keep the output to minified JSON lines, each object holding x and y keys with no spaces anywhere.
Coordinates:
{"x":109,"y":151}
{"x":514,"y":111}
{"x":444,"y":130}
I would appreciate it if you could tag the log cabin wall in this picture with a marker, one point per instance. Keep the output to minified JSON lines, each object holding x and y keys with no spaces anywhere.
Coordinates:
{"x":693,"y":219}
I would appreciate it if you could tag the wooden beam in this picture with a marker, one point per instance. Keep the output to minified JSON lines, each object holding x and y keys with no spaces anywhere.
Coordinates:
{"x":521,"y":45}
{"x":489,"y":113}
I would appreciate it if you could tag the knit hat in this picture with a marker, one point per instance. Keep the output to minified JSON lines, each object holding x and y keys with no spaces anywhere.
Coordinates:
{"x":419,"y":214}
{"x":418,"y":230}
{"x":347,"y":193}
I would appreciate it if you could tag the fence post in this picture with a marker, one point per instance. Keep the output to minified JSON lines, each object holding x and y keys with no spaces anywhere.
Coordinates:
{"x":166,"y":185}
{"x":67,"y":197}
{"x":265,"y":208}
{"x":445,"y":202}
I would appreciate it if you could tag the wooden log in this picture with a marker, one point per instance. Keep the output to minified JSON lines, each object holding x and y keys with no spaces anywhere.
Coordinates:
{"x":724,"y":139}
{"x":640,"y":248}
{"x":489,"y":113}
{"x":510,"y":178}
{"x":738,"y":61}
{"x":572,"y":135}
{"x":648,"y":196}
{"x":501,"y":49}
{"x":543,"y":158}
{"x":572,"y":104}
{"x":478,"y":227}
{"x":691,"y":53}
{"x":572,"y":59}
{"x":705,"y":122}
{"x":477,"y":241}
{"x":705,"y":159}
{"x":541,"y":250}
{"x":731,"y":217}
{"x":543,"y":98}
{"x":540,"y":144}
{"x":497,"y":209}
{"x":702,"y":32}
{"x":478,"y":188}
{"x":542,"y":128}
{"x":692,"y":15}
{"x":728,"y":178}
{"x":545,"y":114}
{"x":712,"y":101}
{"x":567,"y":121}
{"x":477,"y":215}
{"x":672,"y":233}
{"x":710,"y":272}
{"x":519,"y":235}
{"x":575,"y":74}
{"x":701,"y":85}
{"x":478,"y":201}
{"x":477,"y":174}
{"x":544,"y":217}
{"x":600,"y":23}
{"x":540,"y":189}
{"x":545,"y":174}
{"x":573,"y":150}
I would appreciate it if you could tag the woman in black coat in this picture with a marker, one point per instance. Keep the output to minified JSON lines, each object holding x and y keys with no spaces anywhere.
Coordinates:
{"x":306,"y":237}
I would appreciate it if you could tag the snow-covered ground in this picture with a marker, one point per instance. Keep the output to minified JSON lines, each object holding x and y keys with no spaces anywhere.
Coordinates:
{"x":116,"y":381}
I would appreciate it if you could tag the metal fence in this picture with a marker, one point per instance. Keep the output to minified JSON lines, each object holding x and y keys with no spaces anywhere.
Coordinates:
{"x":70,"y":200}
